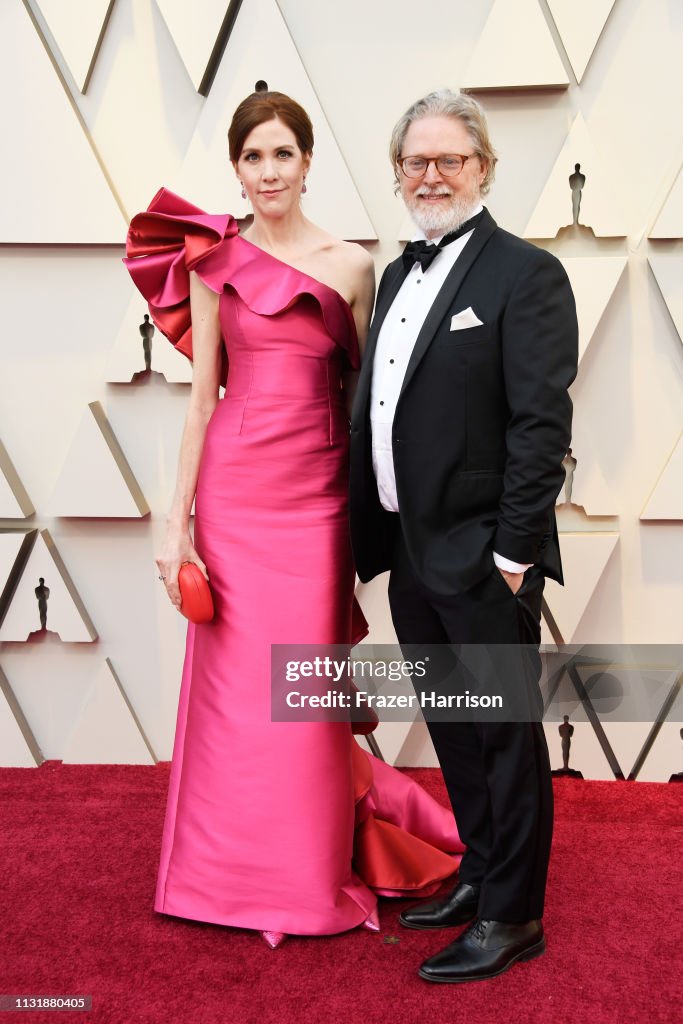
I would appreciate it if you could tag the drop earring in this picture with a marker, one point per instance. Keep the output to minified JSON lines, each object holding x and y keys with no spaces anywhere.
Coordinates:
{"x":304,"y":190}
{"x":244,"y":191}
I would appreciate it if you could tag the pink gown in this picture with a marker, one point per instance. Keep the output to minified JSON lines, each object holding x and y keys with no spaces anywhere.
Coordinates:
{"x":287,"y":827}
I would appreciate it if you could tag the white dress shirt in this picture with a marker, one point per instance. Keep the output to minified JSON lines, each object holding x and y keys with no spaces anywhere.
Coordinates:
{"x":395,"y":344}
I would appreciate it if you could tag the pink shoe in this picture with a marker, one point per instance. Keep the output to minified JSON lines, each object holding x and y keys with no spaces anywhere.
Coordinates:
{"x":273,"y":939}
{"x":371,"y":922}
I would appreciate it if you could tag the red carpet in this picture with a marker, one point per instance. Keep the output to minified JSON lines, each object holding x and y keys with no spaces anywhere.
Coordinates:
{"x":79,"y":858}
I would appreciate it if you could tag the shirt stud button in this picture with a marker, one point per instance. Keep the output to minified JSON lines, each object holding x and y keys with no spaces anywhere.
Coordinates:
{"x":381,"y":403}
{"x":391,"y":360}
{"x":403,"y":319}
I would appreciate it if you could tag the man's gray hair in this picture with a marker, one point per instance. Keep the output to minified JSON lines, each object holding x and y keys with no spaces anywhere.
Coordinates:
{"x":446,"y":103}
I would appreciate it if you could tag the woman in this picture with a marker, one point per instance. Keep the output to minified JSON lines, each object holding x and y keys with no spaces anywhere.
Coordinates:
{"x":265,"y":818}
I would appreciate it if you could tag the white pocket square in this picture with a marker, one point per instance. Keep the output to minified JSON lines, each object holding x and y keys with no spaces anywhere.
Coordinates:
{"x":465,"y":318}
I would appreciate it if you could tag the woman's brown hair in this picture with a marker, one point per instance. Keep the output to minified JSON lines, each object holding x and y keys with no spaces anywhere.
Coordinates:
{"x":265,"y":106}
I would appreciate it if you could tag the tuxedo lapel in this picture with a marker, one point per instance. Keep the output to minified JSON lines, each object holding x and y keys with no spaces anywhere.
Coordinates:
{"x":447,"y":293}
{"x":395,"y":276}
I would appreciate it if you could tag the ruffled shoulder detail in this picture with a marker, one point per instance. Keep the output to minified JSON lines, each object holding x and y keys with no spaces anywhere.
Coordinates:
{"x":163,"y":244}
{"x":173,"y":237}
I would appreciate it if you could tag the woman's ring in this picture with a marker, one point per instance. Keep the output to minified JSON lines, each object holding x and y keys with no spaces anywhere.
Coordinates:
{"x":162,"y":577}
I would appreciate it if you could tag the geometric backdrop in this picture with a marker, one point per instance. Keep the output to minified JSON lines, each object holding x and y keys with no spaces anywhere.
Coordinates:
{"x":102,"y":109}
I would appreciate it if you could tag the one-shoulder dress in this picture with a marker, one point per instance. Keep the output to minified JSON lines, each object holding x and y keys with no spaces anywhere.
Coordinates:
{"x":275,"y":826}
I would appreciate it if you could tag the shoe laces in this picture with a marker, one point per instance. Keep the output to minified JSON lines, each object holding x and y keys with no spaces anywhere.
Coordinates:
{"x":479,"y":930}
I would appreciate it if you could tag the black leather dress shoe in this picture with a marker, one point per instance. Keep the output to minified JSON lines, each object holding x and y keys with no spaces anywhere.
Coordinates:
{"x":458,"y":907}
{"x":485,"y":949}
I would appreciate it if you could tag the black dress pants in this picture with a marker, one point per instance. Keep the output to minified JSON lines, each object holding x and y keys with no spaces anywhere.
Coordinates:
{"x":497,"y":773}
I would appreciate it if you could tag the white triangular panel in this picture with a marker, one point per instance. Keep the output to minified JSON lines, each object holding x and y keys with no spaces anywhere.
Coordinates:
{"x":194,"y":27}
{"x":667,"y":268}
{"x":15,"y":751}
{"x":175,"y":367}
{"x":127,"y":356}
{"x":107,"y":731}
{"x":584,"y":557}
{"x":58,"y":191}
{"x":626,"y":740}
{"x":602,"y":205}
{"x":390,"y":737}
{"x":417,"y":749}
{"x":10,"y":545}
{"x":546,"y":634}
{"x":593,"y":280}
{"x":66,"y":613}
{"x":9,"y":506}
{"x":14,"y":501}
{"x":261,"y":48}
{"x":669,"y":223}
{"x":78,"y":27}
{"x":585,"y":754}
{"x":580,"y":25}
{"x":665,"y":757}
{"x":666,"y":500}
{"x":589,"y":489}
{"x":96,"y":479}
{"x":515,"y":50}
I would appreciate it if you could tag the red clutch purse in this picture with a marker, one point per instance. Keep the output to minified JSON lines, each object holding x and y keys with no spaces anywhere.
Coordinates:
{"x":195,"y":593}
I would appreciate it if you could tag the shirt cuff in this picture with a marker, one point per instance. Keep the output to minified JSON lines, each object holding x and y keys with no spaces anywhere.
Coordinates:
{"x":509,"y":565}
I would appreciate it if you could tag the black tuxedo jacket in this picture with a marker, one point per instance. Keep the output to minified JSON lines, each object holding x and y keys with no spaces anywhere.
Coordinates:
{"x":483,"y":420}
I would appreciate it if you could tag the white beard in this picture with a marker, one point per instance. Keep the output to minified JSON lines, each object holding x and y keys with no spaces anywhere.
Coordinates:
{"x":440,"y":221}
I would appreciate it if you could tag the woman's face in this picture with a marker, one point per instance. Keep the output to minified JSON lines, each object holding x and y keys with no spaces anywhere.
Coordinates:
{"x":272,"y":168}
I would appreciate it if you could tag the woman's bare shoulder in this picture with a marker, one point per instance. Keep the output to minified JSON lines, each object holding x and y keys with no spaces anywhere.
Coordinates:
{"x":350,"y":266}
{"x":351,"y":253}
{"x":336,"y":248}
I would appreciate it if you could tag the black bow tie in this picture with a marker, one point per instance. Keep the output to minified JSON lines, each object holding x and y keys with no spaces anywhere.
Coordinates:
{"x":423,"y":252}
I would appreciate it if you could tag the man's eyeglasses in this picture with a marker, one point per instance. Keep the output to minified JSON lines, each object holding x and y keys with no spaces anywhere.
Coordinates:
{"x":448,"y":164}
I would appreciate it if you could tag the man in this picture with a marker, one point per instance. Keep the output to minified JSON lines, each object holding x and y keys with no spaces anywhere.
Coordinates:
{"x":460,"y":425}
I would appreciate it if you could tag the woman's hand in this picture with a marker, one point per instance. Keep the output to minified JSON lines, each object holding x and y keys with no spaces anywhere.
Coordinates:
{"x":178,"y":548}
